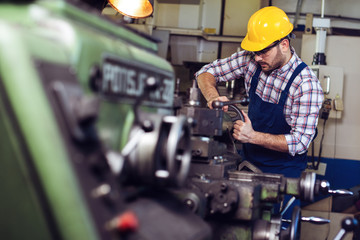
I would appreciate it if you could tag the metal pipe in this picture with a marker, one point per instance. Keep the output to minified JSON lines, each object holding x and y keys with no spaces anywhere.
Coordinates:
{"x":298,"y":9}
{"x":322,"y":8}
{"x":221,"y":30}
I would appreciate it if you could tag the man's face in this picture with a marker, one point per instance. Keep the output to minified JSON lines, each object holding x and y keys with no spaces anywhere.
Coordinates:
{"x":270,"y":58}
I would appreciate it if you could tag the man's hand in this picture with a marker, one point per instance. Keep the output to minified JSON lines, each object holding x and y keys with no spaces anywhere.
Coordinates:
{"x":221,"y":99}
{"x":243,"y":131}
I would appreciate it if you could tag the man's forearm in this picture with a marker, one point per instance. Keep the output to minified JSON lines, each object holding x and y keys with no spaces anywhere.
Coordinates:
{"x":207,"y":85}
{"x":270,"y":141}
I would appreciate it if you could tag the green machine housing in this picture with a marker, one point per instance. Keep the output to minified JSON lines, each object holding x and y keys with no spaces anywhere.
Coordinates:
{"x":72,"y":84}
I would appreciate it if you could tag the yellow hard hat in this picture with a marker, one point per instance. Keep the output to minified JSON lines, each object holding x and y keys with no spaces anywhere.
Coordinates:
{"x":266,"y":26}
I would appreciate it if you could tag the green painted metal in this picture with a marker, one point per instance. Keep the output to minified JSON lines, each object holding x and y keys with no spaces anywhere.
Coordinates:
{"x":21,"y":212}
{"x":42,"y":138}
{"x":57,"y":32}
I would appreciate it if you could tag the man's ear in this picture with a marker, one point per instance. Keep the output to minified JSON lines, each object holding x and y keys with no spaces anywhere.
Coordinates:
{"x":285,"y":45}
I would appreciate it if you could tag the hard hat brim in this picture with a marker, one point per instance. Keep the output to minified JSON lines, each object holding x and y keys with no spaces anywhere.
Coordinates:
{"x":251,"y":46}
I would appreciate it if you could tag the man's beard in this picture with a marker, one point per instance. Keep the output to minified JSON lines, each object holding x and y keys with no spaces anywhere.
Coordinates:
{"x":277,"y":63}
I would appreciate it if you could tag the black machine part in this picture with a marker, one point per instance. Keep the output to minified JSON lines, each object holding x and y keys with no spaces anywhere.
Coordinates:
{"x":162,"y":156}
{"x":348,"y":224}
{"x":232,"y":107}
{"x":163,"y":217}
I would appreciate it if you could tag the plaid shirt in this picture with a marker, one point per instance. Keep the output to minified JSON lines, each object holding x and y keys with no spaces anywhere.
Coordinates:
{"x":303,"y":103}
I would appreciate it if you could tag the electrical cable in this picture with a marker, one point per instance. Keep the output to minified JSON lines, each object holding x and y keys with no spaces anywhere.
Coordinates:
{"x":316,"y":165}
{"x":336,"y":117}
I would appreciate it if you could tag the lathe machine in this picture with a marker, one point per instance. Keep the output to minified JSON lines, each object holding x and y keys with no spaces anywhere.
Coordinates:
{"x":96,"y":145}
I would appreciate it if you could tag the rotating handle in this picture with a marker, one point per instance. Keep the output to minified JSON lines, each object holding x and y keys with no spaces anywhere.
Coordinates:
{"x":232,"y":107}
{"x":219,"y":104}
{"x":323,"y":186}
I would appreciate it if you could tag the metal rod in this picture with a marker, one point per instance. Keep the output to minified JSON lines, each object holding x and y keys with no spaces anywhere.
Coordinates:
{"x":288,"y":204}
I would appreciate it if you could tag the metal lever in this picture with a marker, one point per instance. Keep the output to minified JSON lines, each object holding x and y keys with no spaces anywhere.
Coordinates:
{"x":324,"y":187}
{"x":314,"y":220}
{"x":340,"y":192}
{"x":116,"y":160}
{"x":347,"y":225}
{"x":219,"y":104}
{"x":288,"y":204}
{"x":232,"y":106}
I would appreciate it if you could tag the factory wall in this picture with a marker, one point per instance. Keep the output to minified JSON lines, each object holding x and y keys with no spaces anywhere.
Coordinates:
{"x":341,"y":144}
{"x":343,"y":15}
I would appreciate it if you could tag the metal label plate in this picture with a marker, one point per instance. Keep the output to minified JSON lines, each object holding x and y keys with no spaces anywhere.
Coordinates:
{"x":126,"y":80}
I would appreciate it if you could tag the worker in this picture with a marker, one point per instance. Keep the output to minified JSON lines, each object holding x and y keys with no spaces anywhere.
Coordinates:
{"x":285,"y":95}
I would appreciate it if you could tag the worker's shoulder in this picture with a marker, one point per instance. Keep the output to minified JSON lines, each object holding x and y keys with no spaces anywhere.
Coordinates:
{"x":307,"y":73}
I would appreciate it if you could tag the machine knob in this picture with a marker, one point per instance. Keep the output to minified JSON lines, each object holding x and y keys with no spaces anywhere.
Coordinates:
{"x":348,"y":224}
{"x":125,"y":222}
{"x":217,"y":104}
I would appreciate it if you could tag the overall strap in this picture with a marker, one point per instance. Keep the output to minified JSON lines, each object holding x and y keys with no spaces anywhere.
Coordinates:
{"x":285,"y":92}
{"x":254,"y":80}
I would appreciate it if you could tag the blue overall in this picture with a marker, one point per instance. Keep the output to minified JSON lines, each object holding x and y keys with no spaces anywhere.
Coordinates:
{"x":269,"y":118}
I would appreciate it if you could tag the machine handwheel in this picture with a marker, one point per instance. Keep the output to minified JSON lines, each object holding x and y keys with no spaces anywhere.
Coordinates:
{"x":178,"y":151}
{"x":293,"y":231}
{"x":295,"y":224}
{"x":232,"y":108}
{"x":238,"y":114}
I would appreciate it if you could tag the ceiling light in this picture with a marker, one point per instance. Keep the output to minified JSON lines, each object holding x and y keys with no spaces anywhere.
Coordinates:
{"x":133,"y":8}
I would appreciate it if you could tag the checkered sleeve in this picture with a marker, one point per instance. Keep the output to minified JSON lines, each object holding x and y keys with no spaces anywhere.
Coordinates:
{"x":307,"y":101}
{"x":227,"y":69}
